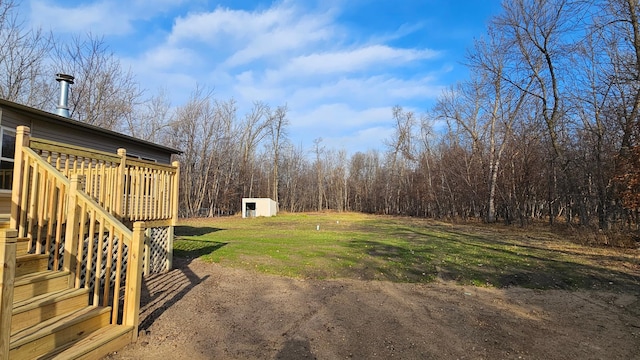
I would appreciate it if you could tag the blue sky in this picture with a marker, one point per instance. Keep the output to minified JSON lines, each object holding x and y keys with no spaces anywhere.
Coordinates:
{"x":339,"y":65}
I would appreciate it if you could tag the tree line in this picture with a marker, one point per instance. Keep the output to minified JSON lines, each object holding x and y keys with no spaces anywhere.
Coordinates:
{"x":546,"y":127}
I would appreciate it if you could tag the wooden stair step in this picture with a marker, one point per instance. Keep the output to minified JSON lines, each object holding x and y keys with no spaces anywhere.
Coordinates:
{"x":97,"y":344}
{"x":59,"y":331}
{"x":31,"y":263}
{"x":34,"y":284}
{"x":22,"y":246}
{"x":35,"y":310}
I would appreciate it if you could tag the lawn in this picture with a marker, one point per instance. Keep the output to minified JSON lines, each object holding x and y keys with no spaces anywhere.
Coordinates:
{"x":401,"y":249}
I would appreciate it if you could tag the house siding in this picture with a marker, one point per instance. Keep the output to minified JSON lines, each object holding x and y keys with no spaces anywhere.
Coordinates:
{"x":61,"y":132}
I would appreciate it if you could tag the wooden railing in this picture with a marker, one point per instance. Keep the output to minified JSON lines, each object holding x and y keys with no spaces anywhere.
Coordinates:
{"x":103,"y":255}
{"x":150,"y":190}
{"x":71,"y":203}
{"x":130,"y":189}
{"x":39,"y":204}
{"x":100,"y":253}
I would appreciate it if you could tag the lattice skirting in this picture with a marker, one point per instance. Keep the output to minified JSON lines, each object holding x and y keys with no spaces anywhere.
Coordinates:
{"x":158,"y":254}
{"x":94,"y":260}
{"x":158,"y":250}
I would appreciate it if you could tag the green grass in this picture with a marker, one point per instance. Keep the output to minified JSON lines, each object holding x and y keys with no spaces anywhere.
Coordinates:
{"x":349,"y":245}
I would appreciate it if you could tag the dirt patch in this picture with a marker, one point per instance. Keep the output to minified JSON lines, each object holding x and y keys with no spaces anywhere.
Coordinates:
{"x":205,"y":311}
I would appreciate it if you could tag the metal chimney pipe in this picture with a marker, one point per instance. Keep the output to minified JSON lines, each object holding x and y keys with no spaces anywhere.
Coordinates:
{"x":63,"y":105}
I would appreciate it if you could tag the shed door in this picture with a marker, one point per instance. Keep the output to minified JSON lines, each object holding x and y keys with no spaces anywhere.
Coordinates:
{"x":250,"y":210}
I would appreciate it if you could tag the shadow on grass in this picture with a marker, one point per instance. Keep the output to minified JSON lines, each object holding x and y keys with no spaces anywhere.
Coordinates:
{"x":476,"y":260}
{"x":190,"y":248}
{"x":538,"y":245}
{"x":184,"y":230}
{"x":396,"y":263}
{"x":514,"y":264}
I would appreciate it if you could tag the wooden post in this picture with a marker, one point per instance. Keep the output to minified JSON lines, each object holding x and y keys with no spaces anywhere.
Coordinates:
{"x":147,"y":252}
{"x":7,"y":273}
{"x":31,"y":208}
{"x":174,"y":214}
{"x":120,"y":184}
{"x":176,"y":194}
{"x":169,"y":258}
{"x":134,"y":279}
{"x":71,"y":236}
{"x":22,"y":139}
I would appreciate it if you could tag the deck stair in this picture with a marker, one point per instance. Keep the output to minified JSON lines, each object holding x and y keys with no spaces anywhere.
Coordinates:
{"x":75,"y":246}
{"x":51,"y":320}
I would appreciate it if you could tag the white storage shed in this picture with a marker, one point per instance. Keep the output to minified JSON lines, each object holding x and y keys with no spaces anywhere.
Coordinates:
{"x":253,"y":207}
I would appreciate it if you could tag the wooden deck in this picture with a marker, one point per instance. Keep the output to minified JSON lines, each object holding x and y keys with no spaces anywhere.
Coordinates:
{"x":73,"y":249}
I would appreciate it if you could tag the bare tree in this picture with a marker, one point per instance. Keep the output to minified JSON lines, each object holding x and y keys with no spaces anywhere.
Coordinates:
{"x":278,"y":123}
{"x":462,"y":109}
{"x":430,"y":203}
{"x":104,"y":94}
{"x":194,"y":132}
{"x":618,"y":30}
{"x":541,"y":36}
{"x":254,"y":129}
{"x":152,"y":118}
{"x":295,"y":177}
{"x":23,"y":53}
{"x":400,"y":155}
{"x":622,"y":38}
{"x":319,"y":150}
{"x":503,"y":103}
{"x":337,"y":192}
{"x":224,"y":197}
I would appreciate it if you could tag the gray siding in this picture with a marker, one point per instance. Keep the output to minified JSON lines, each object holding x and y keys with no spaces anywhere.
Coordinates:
{"x":51,"y":129}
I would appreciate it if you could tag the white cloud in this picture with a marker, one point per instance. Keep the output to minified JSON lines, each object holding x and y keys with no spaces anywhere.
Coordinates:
{"x":360,"y":59}
{"x":96,"y":17}
{"x":164,"y":57}
{"x":337,"y":117}
{"x":375,"y":90}
{"x":103,"y":18}
{"x":362,"y":140}
{"x":245,"y":77}
{"x":209,"y":26}
{"x":341,"y":126}
{"x":254,"y":35}
{"x":158,"y":4}
{"x":300,"y":34}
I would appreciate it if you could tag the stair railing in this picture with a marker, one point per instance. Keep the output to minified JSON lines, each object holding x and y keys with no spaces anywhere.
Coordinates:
{"x":129,"y":188}
{"x":104,"y":255}
{"x":76,"y":230}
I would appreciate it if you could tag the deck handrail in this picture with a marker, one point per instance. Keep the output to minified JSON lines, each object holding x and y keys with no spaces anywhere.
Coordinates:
{"x":113,"y":255}
{"x":131,"y":189}
{"x":52,"y":147}
{"x":69,"y":224}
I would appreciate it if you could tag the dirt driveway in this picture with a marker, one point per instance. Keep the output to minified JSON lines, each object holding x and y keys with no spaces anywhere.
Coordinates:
{"x":205,"y":311}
